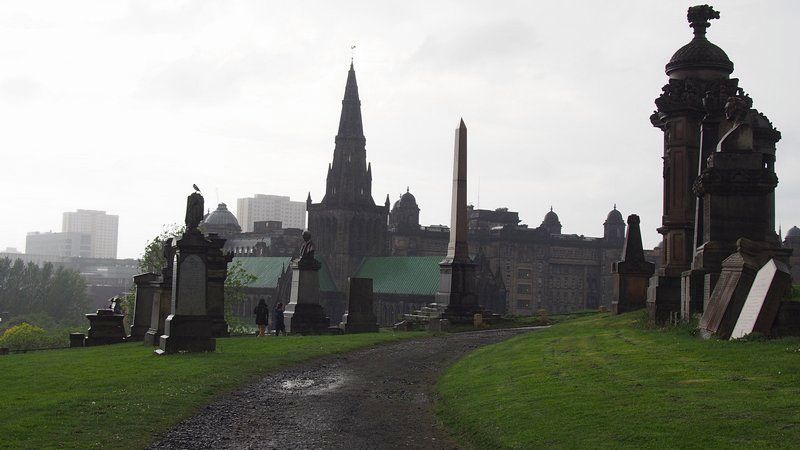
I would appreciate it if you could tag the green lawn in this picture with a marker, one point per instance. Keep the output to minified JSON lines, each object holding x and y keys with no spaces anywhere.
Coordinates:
{"x":604,"y":381}
{"x":122,"y":396}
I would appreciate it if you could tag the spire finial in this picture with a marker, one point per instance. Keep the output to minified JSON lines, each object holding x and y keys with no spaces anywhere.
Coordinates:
{"x":615,"y":206}
{"x":699,"y":17}
{"x":407,"y":190}
{"x":352,"y":55}
{"x":551,"y":208}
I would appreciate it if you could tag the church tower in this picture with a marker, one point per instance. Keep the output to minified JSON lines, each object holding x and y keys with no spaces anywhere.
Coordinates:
{"x":347,"y":225}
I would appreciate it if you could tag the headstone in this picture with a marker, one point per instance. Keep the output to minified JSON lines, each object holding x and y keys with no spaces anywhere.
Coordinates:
{"x":77,"y":340}
{"x":737,"y":276}
{"x":764,"y":299}
{"x":162,"y":298}
{"x":188,"y":327}
{"x":457,"y":294}
{"x":632,"y":274}
{"x":360,"y":316}
{"x":304,"y":314}
{"x":105,"y":327}
{"x":146,"y":286}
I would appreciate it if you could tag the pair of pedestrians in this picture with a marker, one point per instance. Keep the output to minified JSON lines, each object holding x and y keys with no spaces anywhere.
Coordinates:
{"x":262,"y":317}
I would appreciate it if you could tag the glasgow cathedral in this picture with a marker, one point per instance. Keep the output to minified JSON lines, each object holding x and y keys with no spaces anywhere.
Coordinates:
{"x":521,"y":270}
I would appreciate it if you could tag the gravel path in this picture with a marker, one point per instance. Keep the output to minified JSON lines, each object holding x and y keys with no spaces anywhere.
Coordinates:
{"x":379,"y":397}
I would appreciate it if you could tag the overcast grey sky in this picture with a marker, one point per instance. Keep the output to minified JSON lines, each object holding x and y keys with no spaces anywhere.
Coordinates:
{"x":121,"y":106}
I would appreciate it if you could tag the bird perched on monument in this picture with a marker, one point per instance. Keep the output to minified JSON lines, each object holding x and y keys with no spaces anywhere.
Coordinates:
{"x":196,"y":188}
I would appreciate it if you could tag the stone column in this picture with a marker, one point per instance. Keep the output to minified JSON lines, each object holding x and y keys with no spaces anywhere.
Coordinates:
{"x":146,"y":286}
{"x":632,"y":274}
{"x":456,"y":294}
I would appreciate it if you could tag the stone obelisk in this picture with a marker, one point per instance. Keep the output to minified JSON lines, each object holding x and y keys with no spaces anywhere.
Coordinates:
{"x":456,"y":294}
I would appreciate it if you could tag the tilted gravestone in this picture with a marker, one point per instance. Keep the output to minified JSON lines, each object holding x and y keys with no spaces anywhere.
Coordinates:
{"x":360,"y":317}
{"x":764,"y":299}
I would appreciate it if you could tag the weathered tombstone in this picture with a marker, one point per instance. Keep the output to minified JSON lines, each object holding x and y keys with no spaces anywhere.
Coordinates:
{"x":162,"y":298}
{"x":106,"y":326}
{"x":217,"y":273}
{"x":736,"y":278}
{"x":146,"y":286}
{"x":77,"y":340}
{"x":632,"y":274}
{"x":304,"y":314}
{"x":764,"y":299}
{"x":188,"y":327}
{"x":360,"y":317}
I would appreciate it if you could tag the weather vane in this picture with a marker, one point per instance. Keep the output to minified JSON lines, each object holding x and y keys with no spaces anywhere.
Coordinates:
{"x":352,"y":52}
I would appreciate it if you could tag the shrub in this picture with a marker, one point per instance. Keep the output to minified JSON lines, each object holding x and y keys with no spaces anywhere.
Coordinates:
{"x":26,"y":337}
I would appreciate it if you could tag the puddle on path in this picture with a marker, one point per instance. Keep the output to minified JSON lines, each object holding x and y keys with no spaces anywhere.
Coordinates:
{"x":311,"y":385}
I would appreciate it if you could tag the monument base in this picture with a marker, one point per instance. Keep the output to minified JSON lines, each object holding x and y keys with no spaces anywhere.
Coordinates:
{"x":663,"y":298}
{"x":219,"y":327}
{"x":105,"y":327}
{"x":186,"y":334}
{"x":692,"y":293}
{"x":630,"y":292}
{"x":305,"y":318}
{"x":356,"y":323}
{"x":152,"y":338}
{"x":138,"y":332}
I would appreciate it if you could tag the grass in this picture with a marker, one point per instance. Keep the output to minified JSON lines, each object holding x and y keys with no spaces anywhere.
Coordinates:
{"x":122,"y":396}
{"x":605,"y":381}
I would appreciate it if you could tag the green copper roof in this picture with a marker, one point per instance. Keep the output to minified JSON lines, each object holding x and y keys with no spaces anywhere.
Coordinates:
{"x":267,"y":269}
{"x":413,"y":275}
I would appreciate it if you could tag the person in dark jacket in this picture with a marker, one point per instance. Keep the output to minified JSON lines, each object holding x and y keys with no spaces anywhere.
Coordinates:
{"x":279,"y":325}
{"x":262,"y":315}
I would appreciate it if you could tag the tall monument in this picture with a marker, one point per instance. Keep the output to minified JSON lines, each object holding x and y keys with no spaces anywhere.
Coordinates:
{"x":457,"y":293}
{"x":347,"y":223}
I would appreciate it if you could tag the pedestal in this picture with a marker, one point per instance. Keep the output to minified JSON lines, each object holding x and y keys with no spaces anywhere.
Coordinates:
{"x":186,"y":334}
{"x":304,"y":314}
{"x":456,"y":295}
{"x":360,"y":316}
{"x":663,"y":298}
{"x":105,"y":327}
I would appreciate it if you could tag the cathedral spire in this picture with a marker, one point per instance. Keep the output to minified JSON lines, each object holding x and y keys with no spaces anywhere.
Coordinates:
{"x":350,"y":121}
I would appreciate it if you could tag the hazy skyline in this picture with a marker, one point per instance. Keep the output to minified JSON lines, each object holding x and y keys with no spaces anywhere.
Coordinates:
{"x":121,"y":106}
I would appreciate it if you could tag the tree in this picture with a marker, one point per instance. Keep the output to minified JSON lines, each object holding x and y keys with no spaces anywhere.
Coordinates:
{"x":152,"y":259}
{"x":238,"y":279}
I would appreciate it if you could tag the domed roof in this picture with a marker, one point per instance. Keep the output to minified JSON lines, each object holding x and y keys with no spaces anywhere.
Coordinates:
{"x":406,"y":200}
{"x":222,"y":217}
{"x":614,"y":216}
{"x":793,"y":232}
{"x":551,"y":218}
{"x":700,"y":54}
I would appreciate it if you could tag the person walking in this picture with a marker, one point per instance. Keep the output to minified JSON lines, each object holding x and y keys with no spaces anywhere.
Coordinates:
{"x":279,"y":325}
{"x":262,"y":315}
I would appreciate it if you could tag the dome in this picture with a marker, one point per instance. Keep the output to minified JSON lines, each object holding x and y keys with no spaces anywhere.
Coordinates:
{"x":793,"y":232}
{"x":221,"y":220}
{"x":614,"y":216}
{"x":551,"y":218}
{"x":406,"y":200}
{"x":700,"y":53}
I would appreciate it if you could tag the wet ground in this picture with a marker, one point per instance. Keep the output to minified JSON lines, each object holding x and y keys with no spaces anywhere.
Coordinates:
{"x":379,"y":397}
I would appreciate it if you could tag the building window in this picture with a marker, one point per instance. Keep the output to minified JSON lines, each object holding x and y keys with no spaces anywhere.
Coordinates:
{"x":523,"y":289}
{"x":524,"y":273}
{"x":523,"y":304}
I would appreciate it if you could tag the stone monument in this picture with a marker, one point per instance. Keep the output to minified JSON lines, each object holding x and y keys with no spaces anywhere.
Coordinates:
{"x":147,"y":285}
{"x":456,"y":295}
{"x":162,"y":298}
{"x":188,"y":327}
{"x":304,"y":314}
{"x":734,"y":284}
{"x":217,"y":261}
{"x":106,"y":326}
{"x":632,"y":274}
{"x":760,"y":309}
{"x":360,"y":317}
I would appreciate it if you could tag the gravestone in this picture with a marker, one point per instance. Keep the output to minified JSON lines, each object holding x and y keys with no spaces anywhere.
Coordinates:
{"x":764,"y":299}
{"x":188,"y":327}
{"x":360,"y":316}
{"x":146,"y":287}
{"x":106,"y":326}
{"x":304,"y":314}
{"x":162,"y":298}
{"x":632,"y":274}
{"x":735,"y":280}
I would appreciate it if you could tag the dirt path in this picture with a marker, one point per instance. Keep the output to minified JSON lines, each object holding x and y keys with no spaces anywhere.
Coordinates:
{"x":379,"y":397}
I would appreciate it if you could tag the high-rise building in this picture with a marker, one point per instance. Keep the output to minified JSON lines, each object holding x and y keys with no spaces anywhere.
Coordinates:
{"x":276,"y":208}
{"x":77,"y":245}
{"x":100,"y":226}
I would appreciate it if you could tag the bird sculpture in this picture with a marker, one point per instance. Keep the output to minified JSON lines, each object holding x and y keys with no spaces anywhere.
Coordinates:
{"x":196,"y":188}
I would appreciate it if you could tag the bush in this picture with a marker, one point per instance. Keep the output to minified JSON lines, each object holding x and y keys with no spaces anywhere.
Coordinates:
{"x":27,"y":337}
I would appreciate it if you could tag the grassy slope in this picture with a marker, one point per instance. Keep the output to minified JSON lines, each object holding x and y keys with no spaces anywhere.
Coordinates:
{"x":121,"y":396}
{"x":602,"y":381}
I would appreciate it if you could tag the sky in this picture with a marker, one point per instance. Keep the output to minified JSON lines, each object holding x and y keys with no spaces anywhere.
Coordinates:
{"x":122,"y":105}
